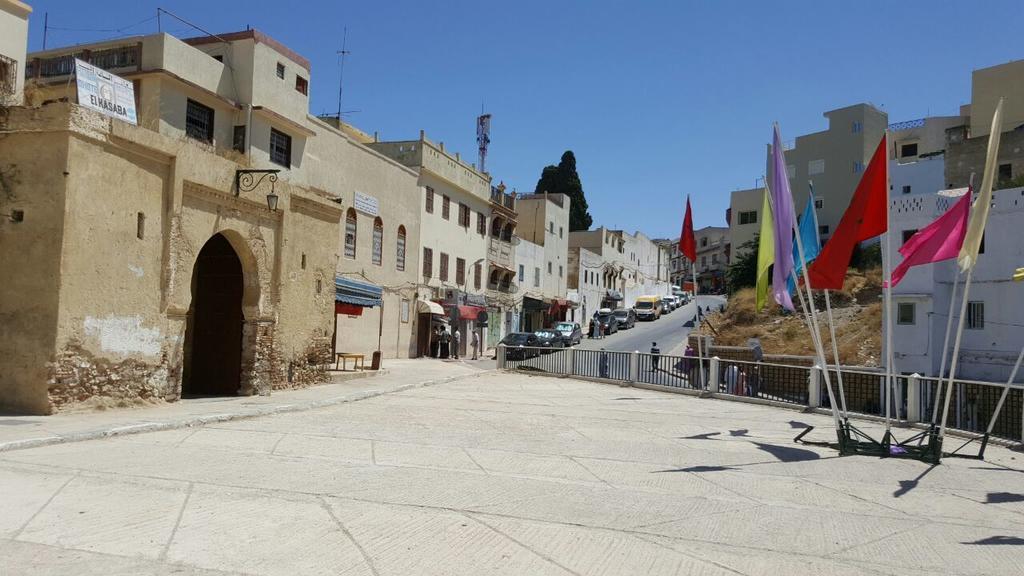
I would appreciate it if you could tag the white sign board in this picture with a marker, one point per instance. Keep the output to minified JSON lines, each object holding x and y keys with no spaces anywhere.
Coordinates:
{"x":105,"y":92}
{"x":367,"y":204}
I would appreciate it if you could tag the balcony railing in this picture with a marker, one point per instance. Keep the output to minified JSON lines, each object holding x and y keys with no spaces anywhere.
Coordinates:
{"x":507,"y":200}
{"x":500,"y":252}
{"x":116,"y":58}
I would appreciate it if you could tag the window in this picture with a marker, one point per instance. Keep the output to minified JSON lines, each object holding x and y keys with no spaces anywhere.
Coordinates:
{"x":1005,"y":172}
{"x":714,"y":258}
{"x":856,"y":127}
{"x":823,"y":230}
{"x":378,"y":241}
{"x":815,"y":167}
{"x":819,"y":203}
{"x":404,"y":311}
{"x":280,"y":70}
{"x":428,"y":262}
{"x":551,"y":227}
{"x":463,"y":215}
{"x":559,"y":270}
{"x":561,"y":231}
{"x":704,"y":241}
{"x":522,"y":273}
{"x":791,"y":171}
{"x":906,"y":189}
{"x":301,"y":85}
{"x":280,"y":148}
{"x":549,"y":267}
{"x":536,"y":277}
{"x":198,"y":121}
{"x":749,"y":217}
{"x":703,"y":260}
{"x":238,"y":139}
{"x":443,"y":275}
{"x":481,"y":224}
{"x":400,"y":250}
{"x":908,"y":150}
{"x":140,"y":225}
{"x":975,"y":315}
{"x":460,"y":271}
{"x":350,"y":233}
{"x":430,"y":200}
{"x":858,"y":167}
{"x":302,"y":263}
{"x":446,"y":207}
{"x":477,"y":271}
{"x":905,"y":313}
{"x":908,"y":234}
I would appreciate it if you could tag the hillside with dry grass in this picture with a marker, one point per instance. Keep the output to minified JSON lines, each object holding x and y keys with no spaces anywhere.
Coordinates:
{"x":857,"y":310}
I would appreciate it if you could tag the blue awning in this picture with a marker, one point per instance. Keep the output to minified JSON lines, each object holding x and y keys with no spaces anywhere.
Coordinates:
{"x":358,"y":293}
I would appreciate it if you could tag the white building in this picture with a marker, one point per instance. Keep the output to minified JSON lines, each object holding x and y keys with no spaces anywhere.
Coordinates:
{"x":994,"y":328}
{"x":917,"y":155}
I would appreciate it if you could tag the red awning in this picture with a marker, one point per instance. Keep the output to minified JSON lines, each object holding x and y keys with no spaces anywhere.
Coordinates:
{"x":469,"y":312}
{"x":347,"y":309}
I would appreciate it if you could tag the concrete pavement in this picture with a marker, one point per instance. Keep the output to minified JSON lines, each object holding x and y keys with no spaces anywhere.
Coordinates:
{"x":505,"y":474}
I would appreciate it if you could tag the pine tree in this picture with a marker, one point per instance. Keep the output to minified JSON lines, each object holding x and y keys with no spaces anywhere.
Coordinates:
{"x":563,"y":179}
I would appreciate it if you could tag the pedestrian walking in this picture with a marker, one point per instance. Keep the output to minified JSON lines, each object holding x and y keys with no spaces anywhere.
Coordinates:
{"x":475,"y":343}
{"x":445,"y":347}
{"x":690,"y":364}
{"x":655,"y":352}
{"x":602,"y":364}
{"x":456,"y":341}
{"x":600,"y":329}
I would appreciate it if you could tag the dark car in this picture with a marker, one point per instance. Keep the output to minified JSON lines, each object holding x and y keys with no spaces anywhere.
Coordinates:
{"x":521,"y":345}
{"x":606,"y":319}
{"x":571,"y":332}
{"x":549,"y":341}
{"x":626,"y":318}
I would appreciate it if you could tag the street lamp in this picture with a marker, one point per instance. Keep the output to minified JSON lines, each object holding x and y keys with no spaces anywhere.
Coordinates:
{"x":249,"y":180}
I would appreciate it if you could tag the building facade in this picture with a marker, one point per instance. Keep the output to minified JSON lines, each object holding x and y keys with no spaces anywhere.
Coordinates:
{"x":13,"y":41}
{"x":745,"y":218}
{"x":712,"y":258}
{"x":544,"y":222}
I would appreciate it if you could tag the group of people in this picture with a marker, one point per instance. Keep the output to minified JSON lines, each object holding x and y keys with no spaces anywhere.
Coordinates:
{"x":447,"y":344}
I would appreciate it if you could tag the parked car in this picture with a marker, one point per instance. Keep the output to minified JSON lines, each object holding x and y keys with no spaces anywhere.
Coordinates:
{"x":521,"y":345}
{"x":626,"y":318}
{"x":571,"y":332}
{"x":667,"y":305}
{"x":607,"y":320}
{"x":648,"y":308}
{"x":549,"y":341}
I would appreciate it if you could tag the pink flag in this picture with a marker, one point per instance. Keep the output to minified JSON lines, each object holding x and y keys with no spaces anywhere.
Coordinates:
{"x":938,"y":241}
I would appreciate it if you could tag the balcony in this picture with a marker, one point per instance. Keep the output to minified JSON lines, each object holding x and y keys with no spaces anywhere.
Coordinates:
{"x":505,"y":201}
{"x":114,"y":59}
{"x":500,"y":253}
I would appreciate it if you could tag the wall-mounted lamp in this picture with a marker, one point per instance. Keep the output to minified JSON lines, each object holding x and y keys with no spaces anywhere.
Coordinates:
{"x":247,"y":181}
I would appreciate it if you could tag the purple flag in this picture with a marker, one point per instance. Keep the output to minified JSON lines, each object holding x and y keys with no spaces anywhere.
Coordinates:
{"x":782,"y":207}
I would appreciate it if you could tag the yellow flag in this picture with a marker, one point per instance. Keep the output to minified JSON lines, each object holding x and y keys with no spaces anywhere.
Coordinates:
{"x":1018,"y":276}
{"x":765,"y":252}
{"x":968,"y":256}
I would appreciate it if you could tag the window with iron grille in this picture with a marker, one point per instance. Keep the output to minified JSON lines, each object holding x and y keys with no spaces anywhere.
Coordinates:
{"x":350,"y":233}
{"x":430,"y":200}
{"x":477,"y":271}
{"x":460,"y":271}
{"x":749,"y":217}
{"x":280,"y":148}
{"x":443,"y":276}
{"x":975,"y":315}
{"x":446,"y":207}
{"x":428,"y":263}
{"x":198,"y":121}
{"x":280,"y":70}
{"x":905,"y":313}
{"x":378,"y":242}
{"x":8,"y":75}
{"x":238,"y":139}
{"x":463,"y":215}
{"x":301,"y":85}
{"x":400,"y":250}
{"x":481,"y":224}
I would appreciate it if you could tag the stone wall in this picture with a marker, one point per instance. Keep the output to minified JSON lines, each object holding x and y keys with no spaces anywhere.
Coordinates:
{"x":966,"y":156}
{"x":309,"y":368}
{"x":78,"y":377}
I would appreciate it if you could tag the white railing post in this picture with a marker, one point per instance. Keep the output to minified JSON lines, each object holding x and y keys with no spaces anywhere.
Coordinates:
{"x":501,"y":356}
{"x":713,"y":379}
{"x":570,"y":362}
{"x":814,"y":387}
{"x":914,"y":398}
{"x":634,"y":366}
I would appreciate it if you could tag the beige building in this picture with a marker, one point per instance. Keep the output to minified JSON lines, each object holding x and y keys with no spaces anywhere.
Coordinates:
{"x":154,"y":268}
{"x":713,"y":254}
{"x":745,"y":217}
{"x":455,"y":208}
{"x":609,"y":245}
{"x":13,"y":40}
{"x":586,"y":283}
{"x":544,"y":222}
{"x":834,"y":160}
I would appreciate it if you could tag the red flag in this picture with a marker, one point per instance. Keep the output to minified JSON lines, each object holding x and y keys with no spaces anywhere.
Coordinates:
{"x":687,"y":243}
{"x":864,"y":218}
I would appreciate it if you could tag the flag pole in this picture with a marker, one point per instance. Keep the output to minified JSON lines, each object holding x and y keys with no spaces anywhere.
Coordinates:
{"x":890,"y":357}
{"x":945,"y":345}
{"x":831,"y":326}
{"x":700,"y":353}
{"x":956,"y":352}
{"x":1002,"y":397}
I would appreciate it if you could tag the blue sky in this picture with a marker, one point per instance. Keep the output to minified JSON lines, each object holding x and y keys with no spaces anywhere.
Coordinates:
{"x":656,"y":99}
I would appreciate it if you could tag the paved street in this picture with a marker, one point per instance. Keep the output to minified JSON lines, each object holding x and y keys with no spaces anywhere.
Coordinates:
{"x":668,"y":331}
{"x":505,"y":474}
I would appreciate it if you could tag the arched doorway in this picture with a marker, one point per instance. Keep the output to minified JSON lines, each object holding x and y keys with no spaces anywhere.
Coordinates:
{"x":213,"y":337}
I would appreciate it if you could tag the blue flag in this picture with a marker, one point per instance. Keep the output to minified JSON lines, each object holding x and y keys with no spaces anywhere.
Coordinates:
{"x":809,"y":237}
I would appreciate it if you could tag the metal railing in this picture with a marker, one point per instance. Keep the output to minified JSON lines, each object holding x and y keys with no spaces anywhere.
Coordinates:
{"x":118,"y":57}
{"x":912,"y":400}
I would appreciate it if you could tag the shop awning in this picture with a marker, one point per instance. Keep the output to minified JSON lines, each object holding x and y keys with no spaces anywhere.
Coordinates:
{"x":429,"y":307}
{"x":346,"y":309}
{"x":533,"y":304}
{"x":358,"y":293}
{"x":464,"y":312}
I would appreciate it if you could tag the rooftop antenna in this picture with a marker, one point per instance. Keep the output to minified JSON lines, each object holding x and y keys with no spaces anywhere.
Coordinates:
{"x":341,"y":73}
{"x":483,"y":136}
{"x":46,"y":27}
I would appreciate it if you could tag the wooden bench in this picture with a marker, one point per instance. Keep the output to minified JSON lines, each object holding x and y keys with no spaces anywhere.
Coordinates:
{"x":358,"y":360}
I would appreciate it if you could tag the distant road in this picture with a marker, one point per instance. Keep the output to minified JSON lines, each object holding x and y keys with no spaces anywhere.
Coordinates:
{"x":668,"y":331}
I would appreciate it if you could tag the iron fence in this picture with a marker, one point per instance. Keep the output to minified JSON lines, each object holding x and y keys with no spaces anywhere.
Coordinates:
{"x":537,"y":359}
{"x":602,"y":364}
{"x":674,"y":371}
{"x":777,"y":382}
{"x":972,"y":406}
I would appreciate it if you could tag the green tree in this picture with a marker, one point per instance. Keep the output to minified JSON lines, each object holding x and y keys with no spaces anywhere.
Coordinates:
{"x":563,"y":179}
{"x":743,"y":270}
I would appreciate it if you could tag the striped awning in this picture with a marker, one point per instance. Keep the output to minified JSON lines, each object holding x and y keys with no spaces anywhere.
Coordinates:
{"x":358,"y":293}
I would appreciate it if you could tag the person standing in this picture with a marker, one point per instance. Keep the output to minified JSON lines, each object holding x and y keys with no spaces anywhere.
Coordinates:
{"x":690,"y":365}
{"x":456,"y":341}
{"x":732,"y":380}
{"x":475,"y":343}
{"x":602,"y":364}
{"x":655,"y":352}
